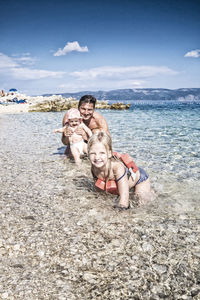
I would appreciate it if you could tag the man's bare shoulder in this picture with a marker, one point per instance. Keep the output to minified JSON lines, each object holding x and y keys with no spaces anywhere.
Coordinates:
{"x":65,"y":118}
{"x":100,"y":121}
{"x":97,"y":115}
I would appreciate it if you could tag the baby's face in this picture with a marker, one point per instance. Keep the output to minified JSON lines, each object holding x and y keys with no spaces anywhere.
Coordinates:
{"x":74,"y":122}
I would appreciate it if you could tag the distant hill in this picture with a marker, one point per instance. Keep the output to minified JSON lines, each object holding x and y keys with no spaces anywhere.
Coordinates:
{"x":140,"y":94}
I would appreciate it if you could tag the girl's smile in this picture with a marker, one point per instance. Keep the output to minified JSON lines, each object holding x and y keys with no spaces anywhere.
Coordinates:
{"x":99,"y":155}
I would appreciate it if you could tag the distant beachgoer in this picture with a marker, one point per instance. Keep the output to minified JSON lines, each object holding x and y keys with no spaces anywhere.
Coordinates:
{"x":2,"y":93}
{"x":116,"y":173}
{"x":74,"y":123}
{"x":92,"y":119}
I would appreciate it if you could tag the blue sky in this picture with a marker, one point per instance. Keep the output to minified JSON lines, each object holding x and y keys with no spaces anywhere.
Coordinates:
{"x":70,"y":46}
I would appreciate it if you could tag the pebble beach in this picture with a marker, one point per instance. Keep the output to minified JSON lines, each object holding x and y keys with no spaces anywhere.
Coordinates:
{"x":14,"y":108}
{"x":62,"y":240}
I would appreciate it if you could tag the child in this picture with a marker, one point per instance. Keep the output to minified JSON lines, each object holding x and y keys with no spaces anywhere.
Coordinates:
{"x":77,"y":145}
{"x":116,"y":173}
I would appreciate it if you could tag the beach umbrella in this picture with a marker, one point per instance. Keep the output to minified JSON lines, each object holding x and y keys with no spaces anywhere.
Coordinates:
{"x":12,"y":90}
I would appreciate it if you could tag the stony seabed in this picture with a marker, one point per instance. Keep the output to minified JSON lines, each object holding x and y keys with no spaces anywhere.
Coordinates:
{"x":61,"y":240}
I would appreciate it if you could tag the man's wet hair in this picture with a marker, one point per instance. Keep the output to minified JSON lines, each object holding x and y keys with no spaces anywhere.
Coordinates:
{"x":87,"y":99}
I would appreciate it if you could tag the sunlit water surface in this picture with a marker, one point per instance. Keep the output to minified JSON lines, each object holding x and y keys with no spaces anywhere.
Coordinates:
{"x":163,"y":138}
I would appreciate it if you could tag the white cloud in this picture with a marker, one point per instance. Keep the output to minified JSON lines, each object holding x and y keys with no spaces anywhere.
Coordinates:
{"x":24,"y":54}
{"x":26,"y":60}
{"x":69,"y":47}
{"x":114,"y":77}
{"x":132,"y":72}
{"x":12,"y":68}
{"x":7,"y":62}
{"x":93,"y":85}
{"x":27,"y":74}
{"x":16,"y":69}
{"x":193,"y":53}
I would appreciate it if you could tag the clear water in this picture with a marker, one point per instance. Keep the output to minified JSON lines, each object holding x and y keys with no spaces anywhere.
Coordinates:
{"x":61,"y":240}
{"x":162,"y":137}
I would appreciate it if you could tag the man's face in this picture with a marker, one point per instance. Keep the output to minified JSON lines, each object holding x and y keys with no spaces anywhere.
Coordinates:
{"x":86,"y":110}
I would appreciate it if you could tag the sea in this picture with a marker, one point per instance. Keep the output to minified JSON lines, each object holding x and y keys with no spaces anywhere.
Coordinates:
{"x":60,"y":239}
{"x":162,"y":137}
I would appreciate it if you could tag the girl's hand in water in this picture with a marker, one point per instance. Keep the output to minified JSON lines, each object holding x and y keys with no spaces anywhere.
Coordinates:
{"x":122,"y":207}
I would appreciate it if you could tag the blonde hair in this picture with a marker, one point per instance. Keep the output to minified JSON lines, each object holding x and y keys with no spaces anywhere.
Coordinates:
{"x":105,"y":139}
{"x":100,"y":137}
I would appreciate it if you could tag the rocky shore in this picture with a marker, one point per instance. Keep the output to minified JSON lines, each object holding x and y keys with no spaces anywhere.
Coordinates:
{"x":69,"y":243}
{"x":50,"y":103}
{"x":60,"y":240}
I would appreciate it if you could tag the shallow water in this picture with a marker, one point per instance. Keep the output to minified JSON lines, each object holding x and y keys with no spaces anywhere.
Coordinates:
{"x":61,"y":240}
{"x":163,"y":138}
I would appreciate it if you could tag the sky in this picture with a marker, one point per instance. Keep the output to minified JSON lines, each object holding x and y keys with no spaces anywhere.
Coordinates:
{"x":59,"y":46}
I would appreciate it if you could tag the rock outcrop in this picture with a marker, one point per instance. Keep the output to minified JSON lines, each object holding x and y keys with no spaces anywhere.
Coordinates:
{"x":120,"y":106}
{"x":55,"y":103}
{"x":58,"y":103}
{"x":52,"y":103}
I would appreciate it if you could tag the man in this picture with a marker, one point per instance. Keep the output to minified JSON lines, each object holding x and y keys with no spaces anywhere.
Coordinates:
{"x":90,"y":118}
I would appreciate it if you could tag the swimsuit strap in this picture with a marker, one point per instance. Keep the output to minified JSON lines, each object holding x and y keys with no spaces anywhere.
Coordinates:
{"x":121,"y":176}
{"x":94,"y":176}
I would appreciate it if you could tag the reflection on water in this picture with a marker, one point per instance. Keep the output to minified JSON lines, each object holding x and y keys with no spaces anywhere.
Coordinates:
{"x":61,"y":240}
{"x":164,"y":139}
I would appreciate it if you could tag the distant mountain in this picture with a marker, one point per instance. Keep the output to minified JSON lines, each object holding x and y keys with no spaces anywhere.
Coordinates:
{"x":140,"y":94}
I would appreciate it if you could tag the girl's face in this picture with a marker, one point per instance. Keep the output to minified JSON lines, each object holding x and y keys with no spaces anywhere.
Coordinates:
{"x":99,"y":155}
{"x":74,"y":122}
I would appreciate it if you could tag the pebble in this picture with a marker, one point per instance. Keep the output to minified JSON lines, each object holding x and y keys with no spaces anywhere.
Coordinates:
{"x":160,"y":268}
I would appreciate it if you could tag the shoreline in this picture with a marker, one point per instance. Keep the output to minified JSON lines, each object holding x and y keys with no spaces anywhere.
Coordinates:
{"x":62,"y":240}
{"x":46,"y":107}
{"x":14,"y":108}
{"x":9,"y":104}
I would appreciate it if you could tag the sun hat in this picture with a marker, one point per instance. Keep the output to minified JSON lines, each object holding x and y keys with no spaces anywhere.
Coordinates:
{"x":73,"y":113}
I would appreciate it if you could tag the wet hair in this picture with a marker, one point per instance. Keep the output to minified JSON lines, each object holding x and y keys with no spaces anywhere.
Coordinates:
{"x":87,"y":99}
{"x":101,"y":137}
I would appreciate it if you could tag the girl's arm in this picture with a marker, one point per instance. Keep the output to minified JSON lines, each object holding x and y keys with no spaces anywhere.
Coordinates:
{"x":59,"y":129}
{"x":123,"y":185}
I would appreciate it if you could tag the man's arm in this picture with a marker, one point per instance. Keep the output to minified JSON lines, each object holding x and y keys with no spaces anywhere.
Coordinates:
{"x":65,"y":119}
{"x":65,"y":139}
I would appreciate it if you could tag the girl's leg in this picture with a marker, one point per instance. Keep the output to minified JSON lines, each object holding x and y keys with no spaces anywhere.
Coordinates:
{"x":85,"y":148}
{"x":76,"y":155}
{"x":143,"y":191}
